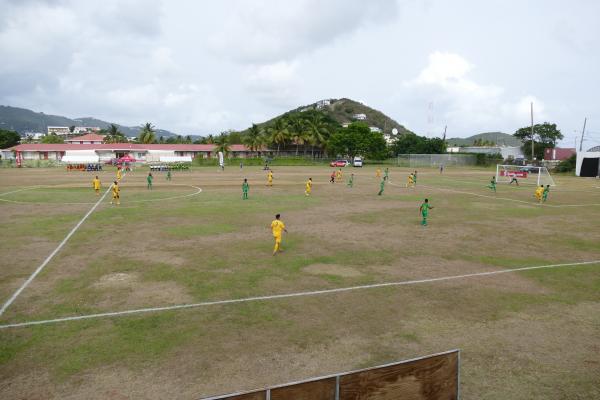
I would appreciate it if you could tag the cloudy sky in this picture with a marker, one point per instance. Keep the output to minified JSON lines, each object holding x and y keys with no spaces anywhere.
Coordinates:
{"x":199,"y":67}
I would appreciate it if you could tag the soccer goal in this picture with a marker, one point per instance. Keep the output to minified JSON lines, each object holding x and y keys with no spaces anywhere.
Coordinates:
{"x":528,"y":175}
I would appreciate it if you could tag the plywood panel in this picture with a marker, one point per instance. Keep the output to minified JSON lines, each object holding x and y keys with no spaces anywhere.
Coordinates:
{"x":433,"y":378}
{"x":323,"y":389}
{"x":260,"y":395}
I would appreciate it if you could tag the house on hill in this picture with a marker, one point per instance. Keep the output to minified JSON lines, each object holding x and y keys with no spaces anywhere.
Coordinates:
{"x":90,"y":138}
{"x":360,"y":117}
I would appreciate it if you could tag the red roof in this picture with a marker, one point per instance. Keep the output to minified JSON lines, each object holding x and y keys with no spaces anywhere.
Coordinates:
{"x":90,"y":137}
{"x":558,"y":153}
{"x":123,"y":146}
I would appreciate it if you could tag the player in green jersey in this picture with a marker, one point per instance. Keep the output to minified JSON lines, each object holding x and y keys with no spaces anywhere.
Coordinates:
{"x":381,"y":186}
{"x":245,"y":188}
{"x":492,"y":184}
{"x":545,"y":194}
{"x":424,"y":210}
{"x":351,"y":180}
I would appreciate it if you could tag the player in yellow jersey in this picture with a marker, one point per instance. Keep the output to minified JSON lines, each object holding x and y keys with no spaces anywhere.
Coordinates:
{"x":270,"y":178}
{"x":277,"y":226}
{"x":378,"y":172}
{"x":338,"y":174}
{"x":116,"y":193}
{"x":119,"y":174}
{"x":410,"y":181}
{"x":308,"y":187}
{"x":539,"y":192}
{"x":96,"y":185}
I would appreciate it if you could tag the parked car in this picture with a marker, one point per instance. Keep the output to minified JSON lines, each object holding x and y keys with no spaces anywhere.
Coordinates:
{"x":358,"y":162}
{"x":339,"y":163}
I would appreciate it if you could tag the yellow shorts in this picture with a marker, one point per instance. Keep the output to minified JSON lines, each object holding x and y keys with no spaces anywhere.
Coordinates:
{"x":277,"y":238}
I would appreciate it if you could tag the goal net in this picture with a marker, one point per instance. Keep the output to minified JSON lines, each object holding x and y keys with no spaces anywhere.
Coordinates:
{"x":528,"y":175}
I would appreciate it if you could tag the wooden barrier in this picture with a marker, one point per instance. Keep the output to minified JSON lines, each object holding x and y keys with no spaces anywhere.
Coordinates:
{"x":434,"y":377}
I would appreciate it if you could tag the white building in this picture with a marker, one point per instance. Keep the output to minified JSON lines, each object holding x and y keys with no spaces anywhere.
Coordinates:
{"x":588,"y":162}
{"x":360,"y":117}
{"x":323,"y":103}
{"x":375,"y":129}
{"x":59,"y":130}
{"x":85,"y":129}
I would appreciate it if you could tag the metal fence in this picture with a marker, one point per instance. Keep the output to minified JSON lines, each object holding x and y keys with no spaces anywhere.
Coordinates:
{"x":434,"y":377}
{"x":435,"y":160}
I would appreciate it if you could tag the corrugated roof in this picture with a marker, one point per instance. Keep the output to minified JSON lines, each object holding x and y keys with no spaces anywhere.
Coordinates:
{"x":122,"y":146}
{"x":90,"y":137}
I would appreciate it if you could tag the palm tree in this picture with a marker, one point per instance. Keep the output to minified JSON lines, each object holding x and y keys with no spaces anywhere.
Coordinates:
{"x":222,"y":143}
{"x":254,"y":139}
{"x":317,"y":130}
{"x":210,"y":139}
{"x":114,"y":135}
{"x":278,"y":133}
{"x":147,"y":134}
{"x":298,"y":131}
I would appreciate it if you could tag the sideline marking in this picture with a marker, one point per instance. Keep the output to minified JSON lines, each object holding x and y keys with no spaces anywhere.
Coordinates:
{"x":51,"y":256}
{"x":288,"y":295}
{"x":198,"y":191}
{"x":529,"y":203}
{"x":22,"y":189}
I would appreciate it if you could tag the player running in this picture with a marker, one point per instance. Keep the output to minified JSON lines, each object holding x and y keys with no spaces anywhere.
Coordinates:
{"x":338,"y":174}
{"x":96,"y":185}
{"x":270,"y":178}
{"x":168,"y":174}
{"x":492,"y":184}
{"x":424,"y":210}
{"x":386,"y":174}
{"x":513,"y":178}
{"x":119,"y":174}
{"x":149,"y":179}
{"x":308,"y":187}
{"x":332,"y":177}
{"x":277,"y":226}
{"x":378,"y":173}
{"x":245,"y":188}
{"x":545,"y":194}
{"x":116,"y":193}
{"x":415,"y":178}
{"x":539,"y":193}
{"x":350,"y":181}
{"x":410,"y":181}
{"x":381,"y":187}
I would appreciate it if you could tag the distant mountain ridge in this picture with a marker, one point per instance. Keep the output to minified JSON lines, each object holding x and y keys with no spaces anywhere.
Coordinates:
{"x":23,"y":120}
{"x":499,"y":138}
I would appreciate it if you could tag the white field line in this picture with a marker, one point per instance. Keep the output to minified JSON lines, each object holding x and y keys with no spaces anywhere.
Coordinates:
{"x":51,"y":256}
{"x":529,"y":203}
{"x":287,"y":295}
{"x":21,"y":190}
{"x":198,"y":191}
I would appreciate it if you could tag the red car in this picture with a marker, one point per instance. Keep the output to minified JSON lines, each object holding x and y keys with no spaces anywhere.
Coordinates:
{"x":339,"y":163}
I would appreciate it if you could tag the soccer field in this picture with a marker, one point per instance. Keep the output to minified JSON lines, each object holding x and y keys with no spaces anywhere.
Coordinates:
{"x":525,"y":333}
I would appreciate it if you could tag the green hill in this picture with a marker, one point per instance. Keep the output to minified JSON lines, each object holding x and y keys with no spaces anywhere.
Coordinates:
{"x":23,"y":120}
{"x":498,"y":138}
{"x":343,"y":111}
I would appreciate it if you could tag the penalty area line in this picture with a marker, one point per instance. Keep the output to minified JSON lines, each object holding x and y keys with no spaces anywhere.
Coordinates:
{"x":51,"y":256}
{"x":288,"y":295}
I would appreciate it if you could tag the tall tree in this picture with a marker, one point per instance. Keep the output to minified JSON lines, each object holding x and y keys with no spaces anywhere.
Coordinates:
{"x":357,"y":139}
{"x":544,"y":135}
{"x":114,"y":135}
{"x":254,"y":139}
{"x":317,"y":130}
{"x":52,"y":139}
{"x":147,"y":134}
{"x":278,"y":132}
{"x":222,"y":143}
{"x":297,"y":131}
{"x":8,"y":138}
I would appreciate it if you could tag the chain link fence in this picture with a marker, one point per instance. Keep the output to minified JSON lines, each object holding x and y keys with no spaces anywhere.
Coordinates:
{"x":435,"y":160}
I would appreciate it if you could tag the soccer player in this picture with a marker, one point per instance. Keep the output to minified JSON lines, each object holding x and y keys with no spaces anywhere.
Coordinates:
{"x":514,"y":179}
{"x":410,"y":181}
{"x":119,"y":174}
{"x":168,"y":174}
{"x":116,"y":193}
{"x":149,"y":180}
{"x":545,"y":194}
{"x":415,"y":178}
{"x":378,"y":172}
{"x":424,"y":210}
{"x":492,"y":184}
{"x":270,"y":178}
{"x":332,"y":177}
{"x":96,"y":185}
{"x":381,"y":187}
{"x":351,"y":181}
{"x":277,"y":226}
{"x":308,"y":188}
{"x":386,"y":174}
{"x":338,"y":174}
{"x":539,"y":192}
{"x":245,"y":188}
{"x":441,"y":169}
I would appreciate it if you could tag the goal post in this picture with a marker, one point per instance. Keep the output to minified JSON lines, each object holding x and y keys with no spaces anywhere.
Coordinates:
{"x":529,"y":175}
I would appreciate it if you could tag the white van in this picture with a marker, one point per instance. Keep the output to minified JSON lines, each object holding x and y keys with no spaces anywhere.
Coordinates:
{"x":357,"y":162}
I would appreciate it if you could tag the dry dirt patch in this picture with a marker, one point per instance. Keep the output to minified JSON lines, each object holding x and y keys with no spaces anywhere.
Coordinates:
{"x":332,"y":269}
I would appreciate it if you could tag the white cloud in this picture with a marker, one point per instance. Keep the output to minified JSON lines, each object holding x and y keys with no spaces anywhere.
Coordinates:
{"x":464,"y":103}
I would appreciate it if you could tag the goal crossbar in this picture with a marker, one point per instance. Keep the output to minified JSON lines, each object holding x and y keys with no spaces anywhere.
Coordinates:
{"x":530,"y":175}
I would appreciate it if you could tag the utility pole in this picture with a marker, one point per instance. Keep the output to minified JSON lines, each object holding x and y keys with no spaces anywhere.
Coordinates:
{"x":582,"y":134}
{"x":532,"y":152}
{"x":445,"y":127}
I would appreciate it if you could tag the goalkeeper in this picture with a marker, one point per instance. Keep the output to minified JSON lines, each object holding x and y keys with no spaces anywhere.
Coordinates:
{"x":492,"y":184}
